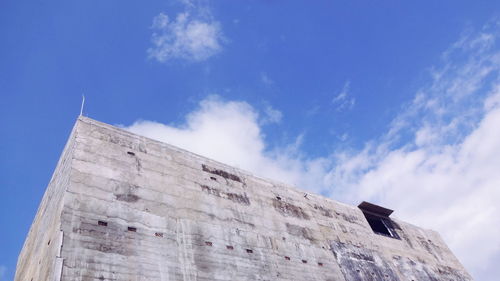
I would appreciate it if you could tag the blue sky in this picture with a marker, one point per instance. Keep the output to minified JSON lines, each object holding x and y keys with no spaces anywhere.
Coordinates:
{"x":393,"y":102}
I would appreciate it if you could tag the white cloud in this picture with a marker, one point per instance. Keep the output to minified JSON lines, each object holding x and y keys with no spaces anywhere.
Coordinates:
{"x":229,"y":131}
{"x":272,"y":115}
{"x":193,"y":35}
{"x":451,"y":188}
{"x":437,"y":165}
{"x":343,"y":101}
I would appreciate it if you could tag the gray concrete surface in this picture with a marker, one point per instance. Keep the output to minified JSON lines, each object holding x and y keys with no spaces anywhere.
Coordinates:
{"x":125,"y":207}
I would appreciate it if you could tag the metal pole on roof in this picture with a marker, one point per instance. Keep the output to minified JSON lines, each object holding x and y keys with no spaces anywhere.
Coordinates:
{"x":83,"y":103}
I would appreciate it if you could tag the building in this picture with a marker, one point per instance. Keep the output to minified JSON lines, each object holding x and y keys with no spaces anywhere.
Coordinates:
{"x":124,"y":207}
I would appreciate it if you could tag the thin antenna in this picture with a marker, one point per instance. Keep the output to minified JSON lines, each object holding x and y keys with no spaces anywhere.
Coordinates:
{"x":83,"y":103}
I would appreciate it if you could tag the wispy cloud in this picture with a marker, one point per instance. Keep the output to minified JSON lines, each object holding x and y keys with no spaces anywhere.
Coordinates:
{"x":266,"y":79}
{"x":272,"y":115}
{"x":437,"y":164}
{"x":343,"y":100}
{"x":192,"y":35}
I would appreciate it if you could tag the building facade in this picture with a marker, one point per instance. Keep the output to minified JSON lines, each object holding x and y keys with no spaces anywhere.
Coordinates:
{"x":124,"y":207}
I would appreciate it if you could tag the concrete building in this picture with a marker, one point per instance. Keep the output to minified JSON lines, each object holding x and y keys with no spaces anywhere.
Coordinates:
{"x":124,"y":207}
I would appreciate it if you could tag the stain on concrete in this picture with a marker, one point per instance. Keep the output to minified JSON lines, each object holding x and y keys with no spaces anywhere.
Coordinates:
{"x":125,"y":142}
{"x":419,"y":270}
{"x":221,"y":173}
{"x":362,"y":264}
{"x":242,"y":199}
{"x":288,"y":209}
{"x":346,"y":217}
{"x":110,"y":248}
{"x":127,"y":197}
{"x":404,"y":237}
{"x":126,"y":192}
{"x":430,"y":247}
{"x":324,"y":211}
{"x":299,"y":231}
{"x":359,"y":264}
{"x":238,"y":198}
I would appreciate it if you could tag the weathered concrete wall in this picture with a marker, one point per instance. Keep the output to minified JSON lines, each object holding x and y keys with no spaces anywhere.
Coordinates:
{"x":40,"y":257}
{"x":138,"y":209}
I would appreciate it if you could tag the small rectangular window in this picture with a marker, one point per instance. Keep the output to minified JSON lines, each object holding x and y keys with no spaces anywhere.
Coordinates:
{"x":159,"y":234}
{"x":102,"y":223}
{"x":133,"y":229}
{"x":378,"y":225}
{"x":208,"y":243}
{"x":249,"y":251}
{"x":229,"y":247}
{"x":378,"y":219}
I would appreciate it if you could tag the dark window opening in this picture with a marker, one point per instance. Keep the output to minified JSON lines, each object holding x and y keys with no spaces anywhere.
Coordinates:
{"x":159,"y":234}
{"x":320,"y":264}
{"x":213,"y":178}
{"x":278,"y":198}
{"x":249,"y":251}
{"x":130,"y":153}
{"x":378,"y":225}
{"x":229,"y":247}
{"x":133,"y":229}
{"x":208,"y":243}
{"x":304,"y":261}
{"x":378,"y":219}
{"x":102,"y":223}
{"x":287,"y":258}
{"x":48,"y":243}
